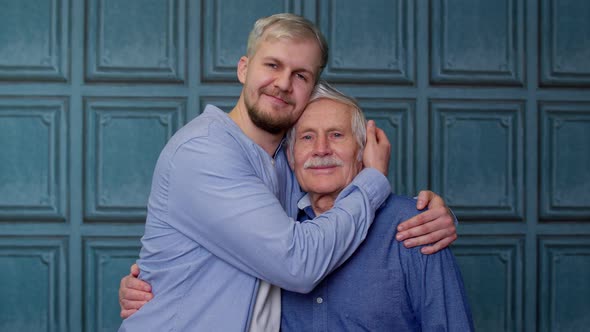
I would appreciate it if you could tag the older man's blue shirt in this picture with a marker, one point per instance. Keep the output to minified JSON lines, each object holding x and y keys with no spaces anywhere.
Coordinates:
{"x":383,"y":286}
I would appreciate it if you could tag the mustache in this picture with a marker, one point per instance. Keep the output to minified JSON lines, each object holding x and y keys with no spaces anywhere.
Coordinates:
{"x":329,"y":161}
{"x":277,"y":94}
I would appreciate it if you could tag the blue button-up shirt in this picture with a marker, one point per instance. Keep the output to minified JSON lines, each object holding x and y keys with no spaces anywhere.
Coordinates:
{"x":383,"y":286}
{"x":217,"y":224}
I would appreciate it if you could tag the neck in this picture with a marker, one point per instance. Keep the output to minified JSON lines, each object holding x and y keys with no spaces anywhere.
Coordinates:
{"x":267,"y":141}
{"x":321,"y":203}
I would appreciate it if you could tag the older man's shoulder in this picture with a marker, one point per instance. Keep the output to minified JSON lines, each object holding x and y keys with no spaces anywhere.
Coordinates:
{"x":399,"y":208}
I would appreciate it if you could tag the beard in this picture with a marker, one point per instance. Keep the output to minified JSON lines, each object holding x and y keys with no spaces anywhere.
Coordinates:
{"x":267,"y":123}
{"x":265,"y":120}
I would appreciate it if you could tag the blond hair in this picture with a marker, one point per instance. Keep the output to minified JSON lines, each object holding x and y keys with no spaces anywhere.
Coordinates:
{"x":289,"y":26}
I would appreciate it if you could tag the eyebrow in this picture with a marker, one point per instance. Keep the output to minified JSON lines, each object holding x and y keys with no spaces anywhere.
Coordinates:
{"x":301,"y":69}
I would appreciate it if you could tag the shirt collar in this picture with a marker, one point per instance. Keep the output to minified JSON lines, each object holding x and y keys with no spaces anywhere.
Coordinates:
{"x":304,"y":206}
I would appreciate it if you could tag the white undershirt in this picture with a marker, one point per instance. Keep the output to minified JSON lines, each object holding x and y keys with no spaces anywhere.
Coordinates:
{"x":266,"y":316}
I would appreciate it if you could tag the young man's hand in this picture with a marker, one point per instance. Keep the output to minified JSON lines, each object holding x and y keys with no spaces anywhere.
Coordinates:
{"x":133,"y":293}
{"x":435,"y":226}
{"x":377,"y":149}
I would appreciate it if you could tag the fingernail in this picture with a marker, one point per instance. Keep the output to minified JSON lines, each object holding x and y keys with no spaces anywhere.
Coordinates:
{"x":400,"y":228}
{"x":399,"y":237}
{"x":409,"y":243}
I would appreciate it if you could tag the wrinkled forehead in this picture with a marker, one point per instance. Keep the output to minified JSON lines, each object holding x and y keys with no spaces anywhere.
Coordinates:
{"x":325,"y":112}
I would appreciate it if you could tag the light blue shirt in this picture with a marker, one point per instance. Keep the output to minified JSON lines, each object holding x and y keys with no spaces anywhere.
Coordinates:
{"x":217,"y":222}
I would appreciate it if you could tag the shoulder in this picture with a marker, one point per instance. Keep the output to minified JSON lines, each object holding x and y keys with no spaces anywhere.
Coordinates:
{"x":398,"y":208}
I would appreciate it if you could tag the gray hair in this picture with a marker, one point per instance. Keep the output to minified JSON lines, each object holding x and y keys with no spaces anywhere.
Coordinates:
{"x":286,"y":26}
{"x":323,"y":90}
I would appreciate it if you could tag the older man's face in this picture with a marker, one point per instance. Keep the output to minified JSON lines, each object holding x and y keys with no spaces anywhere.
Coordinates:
{"x":325,"y":150}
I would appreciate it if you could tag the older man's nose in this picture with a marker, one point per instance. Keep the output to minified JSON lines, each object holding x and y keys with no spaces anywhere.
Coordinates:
{"x":322,"y":147}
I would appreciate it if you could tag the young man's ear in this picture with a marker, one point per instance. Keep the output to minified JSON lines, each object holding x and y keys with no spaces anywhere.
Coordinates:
{"x":242,"y":69}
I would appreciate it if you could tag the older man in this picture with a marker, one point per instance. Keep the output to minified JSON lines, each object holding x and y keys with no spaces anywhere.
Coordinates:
{"x":383,"y":286}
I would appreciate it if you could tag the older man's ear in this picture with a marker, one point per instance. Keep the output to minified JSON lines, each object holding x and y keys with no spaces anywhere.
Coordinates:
{"x":290,"y":159}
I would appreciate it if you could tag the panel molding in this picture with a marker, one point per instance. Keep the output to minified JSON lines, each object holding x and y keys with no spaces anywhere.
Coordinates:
{"x":566,"y":160}
{"x":507,"y":68}
{"x":506,"y":252}
{"x":103,"y":259}
{"x":130,"y":64}
{"x":471,"y":203}
{"x":563,"y":302}
{"x":34,"y":290}
{"x":47,"y":121}
{"x":561,"y":67}
{"x":350,"y":52}
{"x":221,"y":50}
{"x":132,"y":121}
{"x":51,"y":42}
{"x":396,"y":118}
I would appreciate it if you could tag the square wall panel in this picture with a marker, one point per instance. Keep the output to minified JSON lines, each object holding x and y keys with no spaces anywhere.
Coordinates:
{"x":225,"y":28}
{"x":396,"y":118}
{"x":33,"y":135}
{"x":124,"y":138}
{"x":565,"y":160}
{"x":34,"y":40}
{"x":136,"y":40}
{"x":492,"y":269}
{"x":477,"y":42}
{"x":369,"y":43}
{"x":33,"y":284}
{"x":106,"y":261}
{"x":477,"y":157}
{"x":564,"y":291}
{"x":564,"y":33}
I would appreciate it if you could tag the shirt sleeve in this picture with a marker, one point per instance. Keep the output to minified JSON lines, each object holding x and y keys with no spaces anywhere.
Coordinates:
{"x":217,"y":199}
{"x":437,"y":292}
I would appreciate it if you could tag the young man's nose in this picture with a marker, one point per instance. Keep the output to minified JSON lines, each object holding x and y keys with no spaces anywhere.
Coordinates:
{"x":283,"y":80}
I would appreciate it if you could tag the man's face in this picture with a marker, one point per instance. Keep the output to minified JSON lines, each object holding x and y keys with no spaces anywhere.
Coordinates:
{"x":278,"y":80}
{"x":325,"y":150}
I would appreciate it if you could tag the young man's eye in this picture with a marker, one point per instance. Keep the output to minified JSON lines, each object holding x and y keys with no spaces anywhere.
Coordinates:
{"x":272,"y":65}
{"x":302,"y":77}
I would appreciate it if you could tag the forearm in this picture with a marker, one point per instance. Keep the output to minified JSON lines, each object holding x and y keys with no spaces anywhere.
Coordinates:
{"x":248,"y":228}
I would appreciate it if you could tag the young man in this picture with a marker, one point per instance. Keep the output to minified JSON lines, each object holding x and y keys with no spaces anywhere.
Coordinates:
{"x":217,"y":225}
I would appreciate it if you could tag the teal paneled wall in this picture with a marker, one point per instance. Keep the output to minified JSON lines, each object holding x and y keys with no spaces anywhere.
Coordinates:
{"x":486,"y":102}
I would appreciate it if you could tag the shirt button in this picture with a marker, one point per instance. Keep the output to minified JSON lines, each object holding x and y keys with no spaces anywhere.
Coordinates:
{"x":319,"y":300}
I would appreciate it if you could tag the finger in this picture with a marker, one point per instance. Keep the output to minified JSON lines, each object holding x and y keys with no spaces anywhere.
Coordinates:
{"x":436,"y":223}
{"x":131,"y":305}
{"x":436,"y":201}
{"x":429,"y":238}
{"x":381,"y":136}
{"x":134,"y":270}
{"x":128,"y":294}
{"x":428,"y":250}
{"x":370,"y":131}
{"x":416,"y":220}
{"x":423,"y":198}
{"x":127,"y":313}
{"x":426,"y":217}
{"x":136,"y":284}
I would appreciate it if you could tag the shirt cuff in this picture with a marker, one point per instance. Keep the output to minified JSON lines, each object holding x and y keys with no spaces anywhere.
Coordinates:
{"x":375,"y":184}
